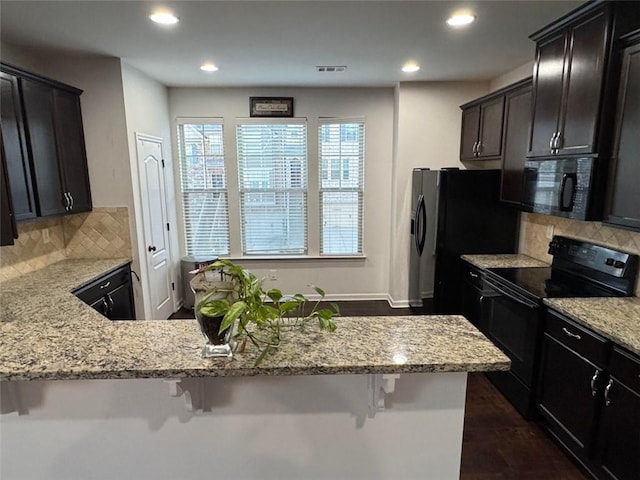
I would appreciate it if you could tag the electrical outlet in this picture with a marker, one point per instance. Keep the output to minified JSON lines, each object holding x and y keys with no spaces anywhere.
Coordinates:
{"x":273,"y":275}
{"x":549,"y":232}
{"x":45,"y":235}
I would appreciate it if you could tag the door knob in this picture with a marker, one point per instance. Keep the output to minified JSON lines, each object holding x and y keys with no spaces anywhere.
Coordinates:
{"x":152,"y":248}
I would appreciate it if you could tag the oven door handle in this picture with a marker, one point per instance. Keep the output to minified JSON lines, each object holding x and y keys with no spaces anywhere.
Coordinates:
{"x":511,"y":295}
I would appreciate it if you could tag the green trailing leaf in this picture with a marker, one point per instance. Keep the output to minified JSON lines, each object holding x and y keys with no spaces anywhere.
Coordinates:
{"x":275,"y":295}
{"x":318,"y":290}
{"x":215,"y":308}
{"x":234,"y":312}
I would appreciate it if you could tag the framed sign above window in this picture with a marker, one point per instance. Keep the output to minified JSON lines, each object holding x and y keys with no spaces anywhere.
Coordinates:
{"x":271,"y":106}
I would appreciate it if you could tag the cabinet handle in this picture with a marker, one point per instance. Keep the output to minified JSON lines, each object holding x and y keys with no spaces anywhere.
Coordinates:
{"x":551,"y":141}
{"x":109,"y":304}
{"x":151,"y":248}
{"x":105,"y":307}
{"x":558,"y":141}
{"x":67,"y":203}
{"x":105,"y":285}
{"x":473,"y":275}
{"x":607,"y":389}
{"x":594,"y":379}
{"x":71,"y":198}
{"x":473,"y":149}
{"x":572,"y":335}
{"x":479,"y":148}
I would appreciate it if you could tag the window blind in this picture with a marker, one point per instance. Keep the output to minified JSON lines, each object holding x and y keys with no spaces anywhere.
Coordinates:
{"x":203,"y":178}
{"x":341,"y":162}
{"x":272,"y":179}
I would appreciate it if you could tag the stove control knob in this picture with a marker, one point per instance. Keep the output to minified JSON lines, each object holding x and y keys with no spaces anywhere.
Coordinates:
{"x":619,"y":264}
{"x":609,"y":261}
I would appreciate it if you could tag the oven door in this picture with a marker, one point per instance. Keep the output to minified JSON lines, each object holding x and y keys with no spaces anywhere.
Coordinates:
{"x":514,"y":326}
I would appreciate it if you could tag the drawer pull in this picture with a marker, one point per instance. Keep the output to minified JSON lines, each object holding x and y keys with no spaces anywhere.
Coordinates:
{"x":572,"y":335}
{"x":594,"y":379}
{"x":473,"y":275}
{"x":607,"y":389}
{"x":106,"y":285}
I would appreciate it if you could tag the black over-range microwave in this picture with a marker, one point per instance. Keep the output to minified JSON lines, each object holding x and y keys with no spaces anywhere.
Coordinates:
{"x":565,"y":187}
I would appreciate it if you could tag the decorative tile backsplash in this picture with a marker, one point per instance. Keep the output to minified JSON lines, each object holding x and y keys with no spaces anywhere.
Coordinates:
{"x":534,"y":242}
{"x":102,"y":233}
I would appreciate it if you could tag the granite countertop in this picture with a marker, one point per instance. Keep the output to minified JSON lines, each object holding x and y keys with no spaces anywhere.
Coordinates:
{"x":507,"y":260}
{"x":57,"y":336}
{"x":616,"y":318}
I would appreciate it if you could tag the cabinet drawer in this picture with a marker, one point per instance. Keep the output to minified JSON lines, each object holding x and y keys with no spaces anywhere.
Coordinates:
{"x":92,"y":292}
{"x":626,"y":368}
{"x":591,"y":346}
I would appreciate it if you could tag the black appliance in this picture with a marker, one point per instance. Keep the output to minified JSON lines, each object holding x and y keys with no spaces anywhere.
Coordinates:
{"x":514,"y":308}
{"x":454,"y":212}
{"x":564,"y":187}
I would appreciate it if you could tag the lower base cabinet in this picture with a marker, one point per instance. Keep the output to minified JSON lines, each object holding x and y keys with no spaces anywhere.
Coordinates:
{"x":111,"y":295}
{"x":589,"y":398}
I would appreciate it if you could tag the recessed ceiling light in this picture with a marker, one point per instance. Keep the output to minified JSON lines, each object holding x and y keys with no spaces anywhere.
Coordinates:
{"x":208,"y":67}
{"x":164,"y":17}
{"x":460,"y":20}
{"x":410,"y":68}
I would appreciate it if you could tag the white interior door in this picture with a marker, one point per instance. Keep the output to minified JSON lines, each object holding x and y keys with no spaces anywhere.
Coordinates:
{"x":156,"y":237}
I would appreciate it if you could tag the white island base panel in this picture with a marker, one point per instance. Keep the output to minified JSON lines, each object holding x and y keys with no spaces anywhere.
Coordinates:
{"x":267,"y":428}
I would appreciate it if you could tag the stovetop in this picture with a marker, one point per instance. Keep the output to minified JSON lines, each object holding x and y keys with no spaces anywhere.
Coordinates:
{"x":543,"y":282}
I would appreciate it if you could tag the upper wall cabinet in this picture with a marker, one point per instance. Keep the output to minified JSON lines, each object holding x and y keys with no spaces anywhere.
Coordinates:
{"x":572,"y":80}
{"x":43,"y":141}
{"x":623,"y":206}
{"x":496,"y":127}
{"x":482,"y":129}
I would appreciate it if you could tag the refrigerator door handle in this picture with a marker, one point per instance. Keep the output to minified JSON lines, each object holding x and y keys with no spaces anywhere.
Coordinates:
{"x":421,"y":232}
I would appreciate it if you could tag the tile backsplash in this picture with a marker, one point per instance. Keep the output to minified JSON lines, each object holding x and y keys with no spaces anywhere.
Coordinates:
{"x":534,"y":242}
{"x":101,"y":233}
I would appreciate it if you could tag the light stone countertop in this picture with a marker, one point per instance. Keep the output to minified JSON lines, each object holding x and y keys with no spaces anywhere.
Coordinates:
{"x":505,"y":260}
{"x":48,"y":333}
{"x":616,"y":318}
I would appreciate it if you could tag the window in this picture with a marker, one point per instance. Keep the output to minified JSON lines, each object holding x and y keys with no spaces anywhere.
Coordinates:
{"x":203,"y":178}
{"x":272,"y":180}
{"x":341,"y":162}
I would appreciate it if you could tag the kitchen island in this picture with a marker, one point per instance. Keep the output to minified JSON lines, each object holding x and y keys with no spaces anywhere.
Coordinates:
{"x":382,"y":397}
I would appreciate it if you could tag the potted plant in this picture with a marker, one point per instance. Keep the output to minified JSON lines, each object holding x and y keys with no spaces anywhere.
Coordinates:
{"x":237,"y":305}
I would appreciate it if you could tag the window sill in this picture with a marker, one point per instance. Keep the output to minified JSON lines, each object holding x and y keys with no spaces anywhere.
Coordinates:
{"x":295,"y":258}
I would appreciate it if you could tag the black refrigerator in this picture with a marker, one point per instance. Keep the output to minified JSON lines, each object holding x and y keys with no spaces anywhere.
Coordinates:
{"x":454,"y":212}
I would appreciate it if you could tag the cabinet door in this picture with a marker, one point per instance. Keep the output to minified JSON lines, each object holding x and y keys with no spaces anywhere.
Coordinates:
{"x":620,"y":434}
{"x":38,"y":107}
{"x":547,"y":96}
{"x":71,"y":150}
{"x":470,"y":128}
{"x":623,"y":208}
{"x":517,"y":119}
{"x":15,"y":149}
{"x":583,"y":79}
{"x":120,"y":302}
{"x":490,"y":137}
{"x":7,"y":224}
{"x":566,"y":397}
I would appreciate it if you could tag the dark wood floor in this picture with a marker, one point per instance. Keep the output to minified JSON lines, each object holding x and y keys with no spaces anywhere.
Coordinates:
{"x":498,"y":444}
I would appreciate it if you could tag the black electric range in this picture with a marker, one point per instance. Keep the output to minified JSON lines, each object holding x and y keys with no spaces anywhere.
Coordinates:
{"x":515,"y":311}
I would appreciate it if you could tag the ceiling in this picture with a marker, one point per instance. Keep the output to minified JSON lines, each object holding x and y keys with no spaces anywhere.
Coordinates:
{"x":279,"y":43}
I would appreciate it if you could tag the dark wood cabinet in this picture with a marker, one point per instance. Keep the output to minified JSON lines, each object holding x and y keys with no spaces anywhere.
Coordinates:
{"x":517,"y":119}
{"x":623,"y":205}
{"x":7,"y":223}
{"x":569,"y":72}
{"x":589,"y":398}
{"x":111,"y":295}
{"x":482,"y":129}
{"x":44,"y":145}
{"x":18,"y":168}
{"x":473,"y":296}
{"x":619,"y":439}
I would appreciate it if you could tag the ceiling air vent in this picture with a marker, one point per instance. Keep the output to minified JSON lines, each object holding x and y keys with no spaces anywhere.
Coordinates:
{"x":331,"y":68}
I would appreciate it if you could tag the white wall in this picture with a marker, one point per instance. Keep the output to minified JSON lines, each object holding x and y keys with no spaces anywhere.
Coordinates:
{"x":353,"y":279}
{"x":512,"y":76}
{"x":428,"y":135}
{"x":147,"y":111}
